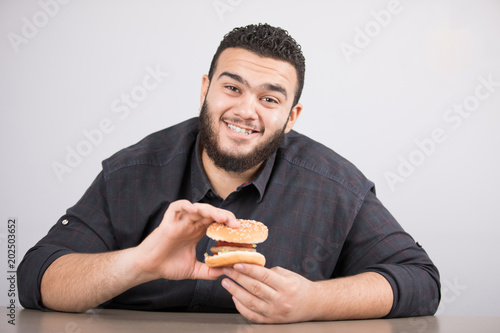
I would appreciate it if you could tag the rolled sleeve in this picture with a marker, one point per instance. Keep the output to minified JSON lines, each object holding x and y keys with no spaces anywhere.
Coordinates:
{"x":377,"y":243}
{"x":70,"y":234}
{"x":30,"y":273}
{"x":415,"y":288}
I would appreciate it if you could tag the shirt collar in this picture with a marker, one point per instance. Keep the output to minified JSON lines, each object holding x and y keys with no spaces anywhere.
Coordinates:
{"x":201,"y":186}
{"x":262,"y":179}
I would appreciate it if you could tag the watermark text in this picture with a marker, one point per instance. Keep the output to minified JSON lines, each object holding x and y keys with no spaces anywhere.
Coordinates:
{"x":453,"y":117}
{"x":121,"y":107}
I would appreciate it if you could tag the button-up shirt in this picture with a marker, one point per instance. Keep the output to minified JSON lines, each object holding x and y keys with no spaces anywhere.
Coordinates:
{"x":324,"y":222}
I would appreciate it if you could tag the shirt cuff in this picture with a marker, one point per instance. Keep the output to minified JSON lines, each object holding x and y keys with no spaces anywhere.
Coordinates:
{"x":416,"y":290}
{"x":30,"y":273}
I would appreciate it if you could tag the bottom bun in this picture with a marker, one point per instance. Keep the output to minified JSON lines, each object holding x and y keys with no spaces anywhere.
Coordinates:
{"x":228,"y":259}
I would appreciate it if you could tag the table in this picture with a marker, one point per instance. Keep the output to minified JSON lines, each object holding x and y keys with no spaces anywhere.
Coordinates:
{"x":123,"y":321}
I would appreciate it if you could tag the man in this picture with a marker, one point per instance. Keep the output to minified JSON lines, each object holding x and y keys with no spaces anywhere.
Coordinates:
{"x":136,"y":239}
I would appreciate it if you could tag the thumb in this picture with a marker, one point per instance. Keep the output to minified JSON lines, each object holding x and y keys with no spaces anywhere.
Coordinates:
{"x":203,"y":272}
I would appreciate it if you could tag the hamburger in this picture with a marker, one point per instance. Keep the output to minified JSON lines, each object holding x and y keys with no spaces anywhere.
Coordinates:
{"x":236,"y":245}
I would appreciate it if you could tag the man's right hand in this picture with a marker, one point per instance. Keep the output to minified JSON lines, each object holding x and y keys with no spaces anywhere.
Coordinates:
{"x":169,"y":252}
{"x":80,"y":281}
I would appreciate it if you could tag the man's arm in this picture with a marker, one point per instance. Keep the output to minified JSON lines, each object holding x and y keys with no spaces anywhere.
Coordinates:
{"x":77,"y":282}
{"x":381,"y":271}
{"x":280,"y":296}
{"x":363,"y":296}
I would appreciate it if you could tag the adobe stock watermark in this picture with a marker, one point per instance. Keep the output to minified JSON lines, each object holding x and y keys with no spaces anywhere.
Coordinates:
{"x":221,"y":7}
{"x":363,"y":36}
{"x":31,"y":25}
{"x":11,"y":272}
{"x":453,"y":118}
{"x":121,"y":108}
{"x":450,"y":292}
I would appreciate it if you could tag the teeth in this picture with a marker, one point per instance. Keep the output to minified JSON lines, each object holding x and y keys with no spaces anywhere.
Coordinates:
{"x":239,"y":130}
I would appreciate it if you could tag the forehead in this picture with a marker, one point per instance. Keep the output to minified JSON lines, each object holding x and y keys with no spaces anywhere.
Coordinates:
{"x":253,"y":67}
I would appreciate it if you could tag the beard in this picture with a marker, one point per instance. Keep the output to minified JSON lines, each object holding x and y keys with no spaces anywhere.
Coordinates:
{"x":233,"y":162}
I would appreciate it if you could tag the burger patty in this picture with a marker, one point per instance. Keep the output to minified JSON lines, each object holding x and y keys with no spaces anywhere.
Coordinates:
{"x":217,"y":249}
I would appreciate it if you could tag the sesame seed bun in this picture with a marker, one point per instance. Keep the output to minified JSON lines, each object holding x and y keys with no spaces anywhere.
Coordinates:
{"x":250,"y":232}
{"x":229,"y":259}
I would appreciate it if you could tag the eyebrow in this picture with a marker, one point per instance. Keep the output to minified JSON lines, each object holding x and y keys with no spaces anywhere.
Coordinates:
{"x":266,"y":86}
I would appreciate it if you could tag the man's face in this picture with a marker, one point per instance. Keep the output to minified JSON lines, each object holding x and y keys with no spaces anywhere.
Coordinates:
{"x":246,"y":109}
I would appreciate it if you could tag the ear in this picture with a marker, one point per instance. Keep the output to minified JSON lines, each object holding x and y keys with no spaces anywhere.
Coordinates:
{"x":205,"y":83}
{"x":294,"y":114}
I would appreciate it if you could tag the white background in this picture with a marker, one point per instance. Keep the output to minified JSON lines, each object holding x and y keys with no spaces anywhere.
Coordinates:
{"x":381,"y":76}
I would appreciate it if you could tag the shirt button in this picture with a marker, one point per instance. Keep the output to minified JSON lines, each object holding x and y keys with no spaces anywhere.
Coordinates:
{"x":65,"y":222}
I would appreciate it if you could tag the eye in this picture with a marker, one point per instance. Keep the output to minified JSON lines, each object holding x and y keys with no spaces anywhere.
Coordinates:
{"x":270,"y":100}
{"x":233,"y":88}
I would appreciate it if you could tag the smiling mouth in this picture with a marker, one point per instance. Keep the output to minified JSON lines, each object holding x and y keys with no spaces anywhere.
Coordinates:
{"x":239,"y":130}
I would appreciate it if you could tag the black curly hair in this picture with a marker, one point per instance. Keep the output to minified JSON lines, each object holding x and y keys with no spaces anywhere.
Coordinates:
{"x":266,"y":41}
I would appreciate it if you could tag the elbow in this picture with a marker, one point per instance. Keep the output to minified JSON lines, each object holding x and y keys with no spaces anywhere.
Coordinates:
{"x":416,"y":289}
{"x":427,"y":292}
{"x":434,"y":290}
{"x":28,"y":291}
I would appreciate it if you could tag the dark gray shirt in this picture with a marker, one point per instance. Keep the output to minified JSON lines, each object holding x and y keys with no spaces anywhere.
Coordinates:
{"x":323,"y":217}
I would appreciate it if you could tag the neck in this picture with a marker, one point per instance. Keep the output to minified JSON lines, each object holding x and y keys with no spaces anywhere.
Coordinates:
{"x":222,"y":181}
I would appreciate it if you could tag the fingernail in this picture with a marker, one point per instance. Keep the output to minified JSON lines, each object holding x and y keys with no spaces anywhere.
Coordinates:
{"x":225,"y":283}
{"x":238,"y":267}
{"x":226,"y":271}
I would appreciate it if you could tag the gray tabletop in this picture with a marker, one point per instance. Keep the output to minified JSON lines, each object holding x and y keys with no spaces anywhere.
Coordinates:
{"x":138,"y":321}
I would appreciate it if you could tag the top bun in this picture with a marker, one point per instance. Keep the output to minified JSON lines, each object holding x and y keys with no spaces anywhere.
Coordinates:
{"x":250,"y":231}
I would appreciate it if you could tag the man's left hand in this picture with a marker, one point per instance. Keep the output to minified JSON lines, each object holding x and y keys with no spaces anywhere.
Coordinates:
{"x":274,"y":295}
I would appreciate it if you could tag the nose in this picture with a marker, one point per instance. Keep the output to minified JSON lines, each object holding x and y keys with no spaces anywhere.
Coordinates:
{"x":246,"y":109}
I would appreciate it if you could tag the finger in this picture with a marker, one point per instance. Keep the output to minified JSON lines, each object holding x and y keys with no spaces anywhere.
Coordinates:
{"x":202,"y":271}
{"x":253,"y":286}
{"x":282,"y":271}
{"x":249,"y":314}
{"x":212,"y":214}
{"x":248,"y":301}
{"x":179,"y":208}
{"x":202,"y":213}
{"x":273,"y":278}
